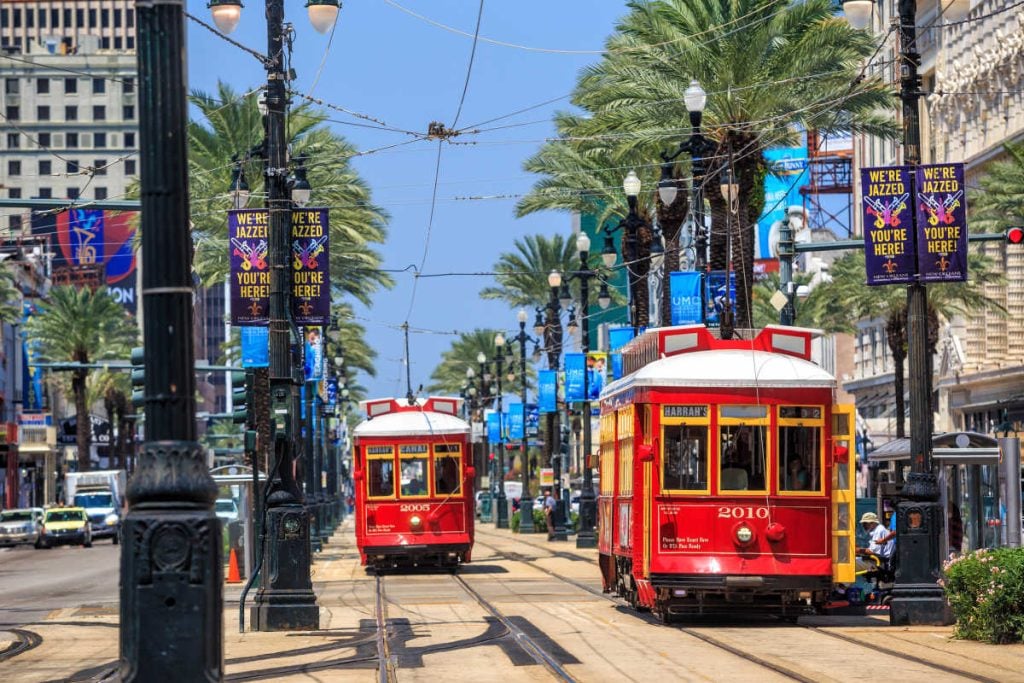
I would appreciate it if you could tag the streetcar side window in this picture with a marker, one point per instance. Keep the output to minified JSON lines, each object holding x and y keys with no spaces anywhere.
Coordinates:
{"x":414,"y":477}
{"x":743,"y":458}
{"x":685,"y":462}
{"x":382,"y":478}
{"x":799,"y":454}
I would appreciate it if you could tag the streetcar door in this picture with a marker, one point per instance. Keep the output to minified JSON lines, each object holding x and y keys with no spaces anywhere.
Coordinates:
{"x":843,"y":494}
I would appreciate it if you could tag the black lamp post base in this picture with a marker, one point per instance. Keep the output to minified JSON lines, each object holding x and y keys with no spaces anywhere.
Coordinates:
{"x":501,"y":513}
{"x":285,"y":601}
{"x":917,"y":599}
{"x":585,"y":537}
{"x":171,"y":571}
{"x":526,"y":515}
{"x":919,"y":605}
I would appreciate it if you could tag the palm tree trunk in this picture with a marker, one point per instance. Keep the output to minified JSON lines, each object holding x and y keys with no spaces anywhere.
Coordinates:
{"x":642,"y":297}
{"x":553,"y":346}
{"x":671,"y":218}
{"x":83,"y":426}
{"x":744,"y":235}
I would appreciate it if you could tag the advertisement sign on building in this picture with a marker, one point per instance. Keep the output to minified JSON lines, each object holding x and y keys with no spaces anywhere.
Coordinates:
{"x":787,"y":172}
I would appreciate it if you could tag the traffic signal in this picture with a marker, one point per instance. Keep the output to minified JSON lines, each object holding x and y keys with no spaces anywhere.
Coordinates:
{"x":1015,"y":235}
{"x":239,"y":397}
{"x":139,"y":377}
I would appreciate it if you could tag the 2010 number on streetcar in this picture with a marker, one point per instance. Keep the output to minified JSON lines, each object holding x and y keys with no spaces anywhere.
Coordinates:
{"x":741,"y":512}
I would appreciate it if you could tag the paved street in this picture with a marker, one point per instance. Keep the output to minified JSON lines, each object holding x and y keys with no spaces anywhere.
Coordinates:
{"x":523,"y":610}
{"x":35,"y":583}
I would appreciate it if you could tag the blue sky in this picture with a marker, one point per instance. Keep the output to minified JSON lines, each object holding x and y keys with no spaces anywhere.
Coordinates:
{"x":402,"y":70}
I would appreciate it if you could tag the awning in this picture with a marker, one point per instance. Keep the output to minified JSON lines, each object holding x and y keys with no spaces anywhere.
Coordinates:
{"x":950,"y":448}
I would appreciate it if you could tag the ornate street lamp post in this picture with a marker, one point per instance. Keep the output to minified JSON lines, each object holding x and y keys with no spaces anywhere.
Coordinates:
{"x":585,"y":536}
{"x":501,"y":514}
{"x":917,"y":597}
{"x":525,"y":500}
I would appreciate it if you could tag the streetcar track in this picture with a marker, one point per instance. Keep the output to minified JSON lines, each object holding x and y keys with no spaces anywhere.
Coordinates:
{"x":24,"y":641}
{"x":525,"y":642}
{"x":385,"y":665}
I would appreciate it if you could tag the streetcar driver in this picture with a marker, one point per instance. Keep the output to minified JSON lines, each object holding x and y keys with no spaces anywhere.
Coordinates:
{"x":878,"y":545}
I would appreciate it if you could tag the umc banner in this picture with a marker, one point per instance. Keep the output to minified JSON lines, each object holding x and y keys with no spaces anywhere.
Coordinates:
{"x":249,"y":236}
{"x":893,"y":253}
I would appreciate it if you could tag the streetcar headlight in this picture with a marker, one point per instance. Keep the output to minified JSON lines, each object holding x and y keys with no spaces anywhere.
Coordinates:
{"x":744,"y":534}
{"x":415,"y":520}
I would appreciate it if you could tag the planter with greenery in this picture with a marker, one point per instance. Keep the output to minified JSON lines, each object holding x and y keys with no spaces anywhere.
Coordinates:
{"x":985,"y":588}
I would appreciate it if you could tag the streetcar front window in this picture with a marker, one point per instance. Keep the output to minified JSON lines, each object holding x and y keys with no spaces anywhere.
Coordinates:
{"x":799,"y":453}
{"x":414,"y":477}
{"x":685,"y":463}
{"x":743,"y":458}
{"x":446,"y":474}
{"x":382,"y":478}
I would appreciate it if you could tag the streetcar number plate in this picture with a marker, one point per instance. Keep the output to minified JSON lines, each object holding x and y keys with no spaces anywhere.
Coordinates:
{"x":742,"y":512}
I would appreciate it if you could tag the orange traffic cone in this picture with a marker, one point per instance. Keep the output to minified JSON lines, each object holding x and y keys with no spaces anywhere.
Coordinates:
{"x":233,"y":574}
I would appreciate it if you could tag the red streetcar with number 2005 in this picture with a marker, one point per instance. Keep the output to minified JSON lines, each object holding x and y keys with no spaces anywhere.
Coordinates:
{"x":414,"y":484}
{"x":726,"y":475}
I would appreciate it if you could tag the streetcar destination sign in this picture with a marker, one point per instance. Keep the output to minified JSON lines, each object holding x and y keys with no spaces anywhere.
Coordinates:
{"x":685,"y":411}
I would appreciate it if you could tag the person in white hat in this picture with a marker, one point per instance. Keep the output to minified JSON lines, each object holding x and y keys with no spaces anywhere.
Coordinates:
{"x":878,"y":545}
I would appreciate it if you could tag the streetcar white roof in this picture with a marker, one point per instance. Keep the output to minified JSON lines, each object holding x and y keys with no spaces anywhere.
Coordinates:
{"x":409,"y":422}
{"x":726,"y":368}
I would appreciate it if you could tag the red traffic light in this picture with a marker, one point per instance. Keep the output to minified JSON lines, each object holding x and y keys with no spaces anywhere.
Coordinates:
{"x":1015,"y":236}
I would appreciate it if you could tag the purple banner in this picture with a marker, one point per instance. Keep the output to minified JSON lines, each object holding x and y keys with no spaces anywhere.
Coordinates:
{"x":941,"y":223}
{"x":311,"y":283}
{"x":250,"y":271}
{"x":888,"y":223}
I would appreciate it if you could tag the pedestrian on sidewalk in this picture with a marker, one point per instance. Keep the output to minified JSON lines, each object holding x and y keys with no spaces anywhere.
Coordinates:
{"x":549,"y":513}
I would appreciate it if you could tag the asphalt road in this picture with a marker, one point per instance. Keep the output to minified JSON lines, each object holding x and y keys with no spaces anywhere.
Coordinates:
{"x":34,"y":583}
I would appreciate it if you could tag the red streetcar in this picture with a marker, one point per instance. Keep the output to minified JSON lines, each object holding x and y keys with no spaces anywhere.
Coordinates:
{"x":726,"y":475}
{"x":414,"y":484}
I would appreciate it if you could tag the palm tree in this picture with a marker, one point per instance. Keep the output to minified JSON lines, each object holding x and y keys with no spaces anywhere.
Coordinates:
{"x":450,"y":374}
{"x":998,"y":202}
{"x":81,"y":325}
{"x":10,"y":298}
{"x":769,"y":66}
{"x":231,"y":126}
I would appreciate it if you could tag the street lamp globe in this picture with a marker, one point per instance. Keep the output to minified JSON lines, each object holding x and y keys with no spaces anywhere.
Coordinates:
{"x":604,"y":297}
{"x":521,"y":316}
{"x":564,"y":295}
{"x":538,"y":323}
{"x":499,"y":340}
{"x":694,"y":97}
{"x":226,"y":14}
{"x":481,"y":358}
{"x":573,"y":325}
{"x":322,"y":14}
{"x":582,"y":242}
{"x":301,"y":190}
{"x":631,"y":184}
{"x":608,"y":254}
{"x":554,"y":279}
{"x":729,"y":187}
{"x":667,"y":188}
{"x":338,"y":360}
{"x":470,"y":373}
{"x":471,"y":390}
{"x":858,"y":13}
{"x":239,"y":187}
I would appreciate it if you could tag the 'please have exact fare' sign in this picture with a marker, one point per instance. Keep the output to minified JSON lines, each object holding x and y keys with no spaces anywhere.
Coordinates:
{"x":249,"y":236}
{"x":893,"y":253}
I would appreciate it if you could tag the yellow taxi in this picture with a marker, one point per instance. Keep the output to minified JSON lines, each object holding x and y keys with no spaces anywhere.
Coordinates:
{"x":65,"y":526}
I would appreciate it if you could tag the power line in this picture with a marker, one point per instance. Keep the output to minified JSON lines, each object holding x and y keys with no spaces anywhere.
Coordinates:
{"x":469,"y":67}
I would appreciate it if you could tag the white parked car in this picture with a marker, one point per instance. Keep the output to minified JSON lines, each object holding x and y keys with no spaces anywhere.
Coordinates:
{"x":226,"y":509}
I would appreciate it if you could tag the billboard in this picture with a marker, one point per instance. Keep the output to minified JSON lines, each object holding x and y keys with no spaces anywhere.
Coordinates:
{"x":787,"y":167}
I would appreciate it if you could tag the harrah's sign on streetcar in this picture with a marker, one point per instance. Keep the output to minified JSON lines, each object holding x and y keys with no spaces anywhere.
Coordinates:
{"x":249,"y":235}
{"x":898,"y":199}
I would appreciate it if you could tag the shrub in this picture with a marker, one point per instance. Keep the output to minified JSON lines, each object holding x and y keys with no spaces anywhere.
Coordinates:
{"x":985,"y":588}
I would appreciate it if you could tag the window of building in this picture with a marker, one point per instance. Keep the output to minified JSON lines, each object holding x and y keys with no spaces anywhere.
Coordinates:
{"x":99,"y":140}
{"x":105,"y":43}
{"x":117,"y":18}
{"x":130,"y":17}
{"x":92,"y":18}
{"x":99,"y":86}
{"x":67,"y":18}
{"x":13,"y":167}
{"x":72,"y":166}
{"x":80,"y":18}
{"x":45,"y":193}
{"x":71,"y":140}
{"x":43,"y":86}
{"x":118,"y":42}
{"x":129,"y":167}
{"x":12,"y":86}
{"x":14,"y":193}
{"x":128,"y":85}
{"x":42,"y":113}
{"x":130,"y":41}
{"x":45,"y":167}
{"x":128,"y":112}
{"x":43,"y":140}
{"x":73,"y":193}
{"x":14,"y":223}
{"x":105,"y":18}
{"x":54,"y":18}
{"x":70,"y":86}
{"x":13,"y":140}
{"x":99,"y":166}
{"x":42,"y":18}
{"x":13,"y":113}
{"x":16,"y":15}
{"x":30,"y":18}
{"x":101,"y":193}
{"x":71,"y":113}
{"x":129,"y":139}
{"x":99,"y":113}
{"x":5,"y":17}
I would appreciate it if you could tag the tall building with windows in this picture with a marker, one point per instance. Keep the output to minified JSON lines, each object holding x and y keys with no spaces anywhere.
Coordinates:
{"x":68,"y":107}
{"x":972,"y":74}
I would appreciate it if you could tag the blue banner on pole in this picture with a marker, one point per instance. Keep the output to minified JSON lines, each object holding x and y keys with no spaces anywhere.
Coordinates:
{"x":493,"y":428}
{"x":617,"y":338}
{"x":332,"y":392}
{"x":716,"y":296}
{"x":575,"y":367}
{"x":547,"y":384}
{"x":685,"y":290}
{"x":532,"y":419}
{"x":515,"y":421}
{"x":255,"y":347}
